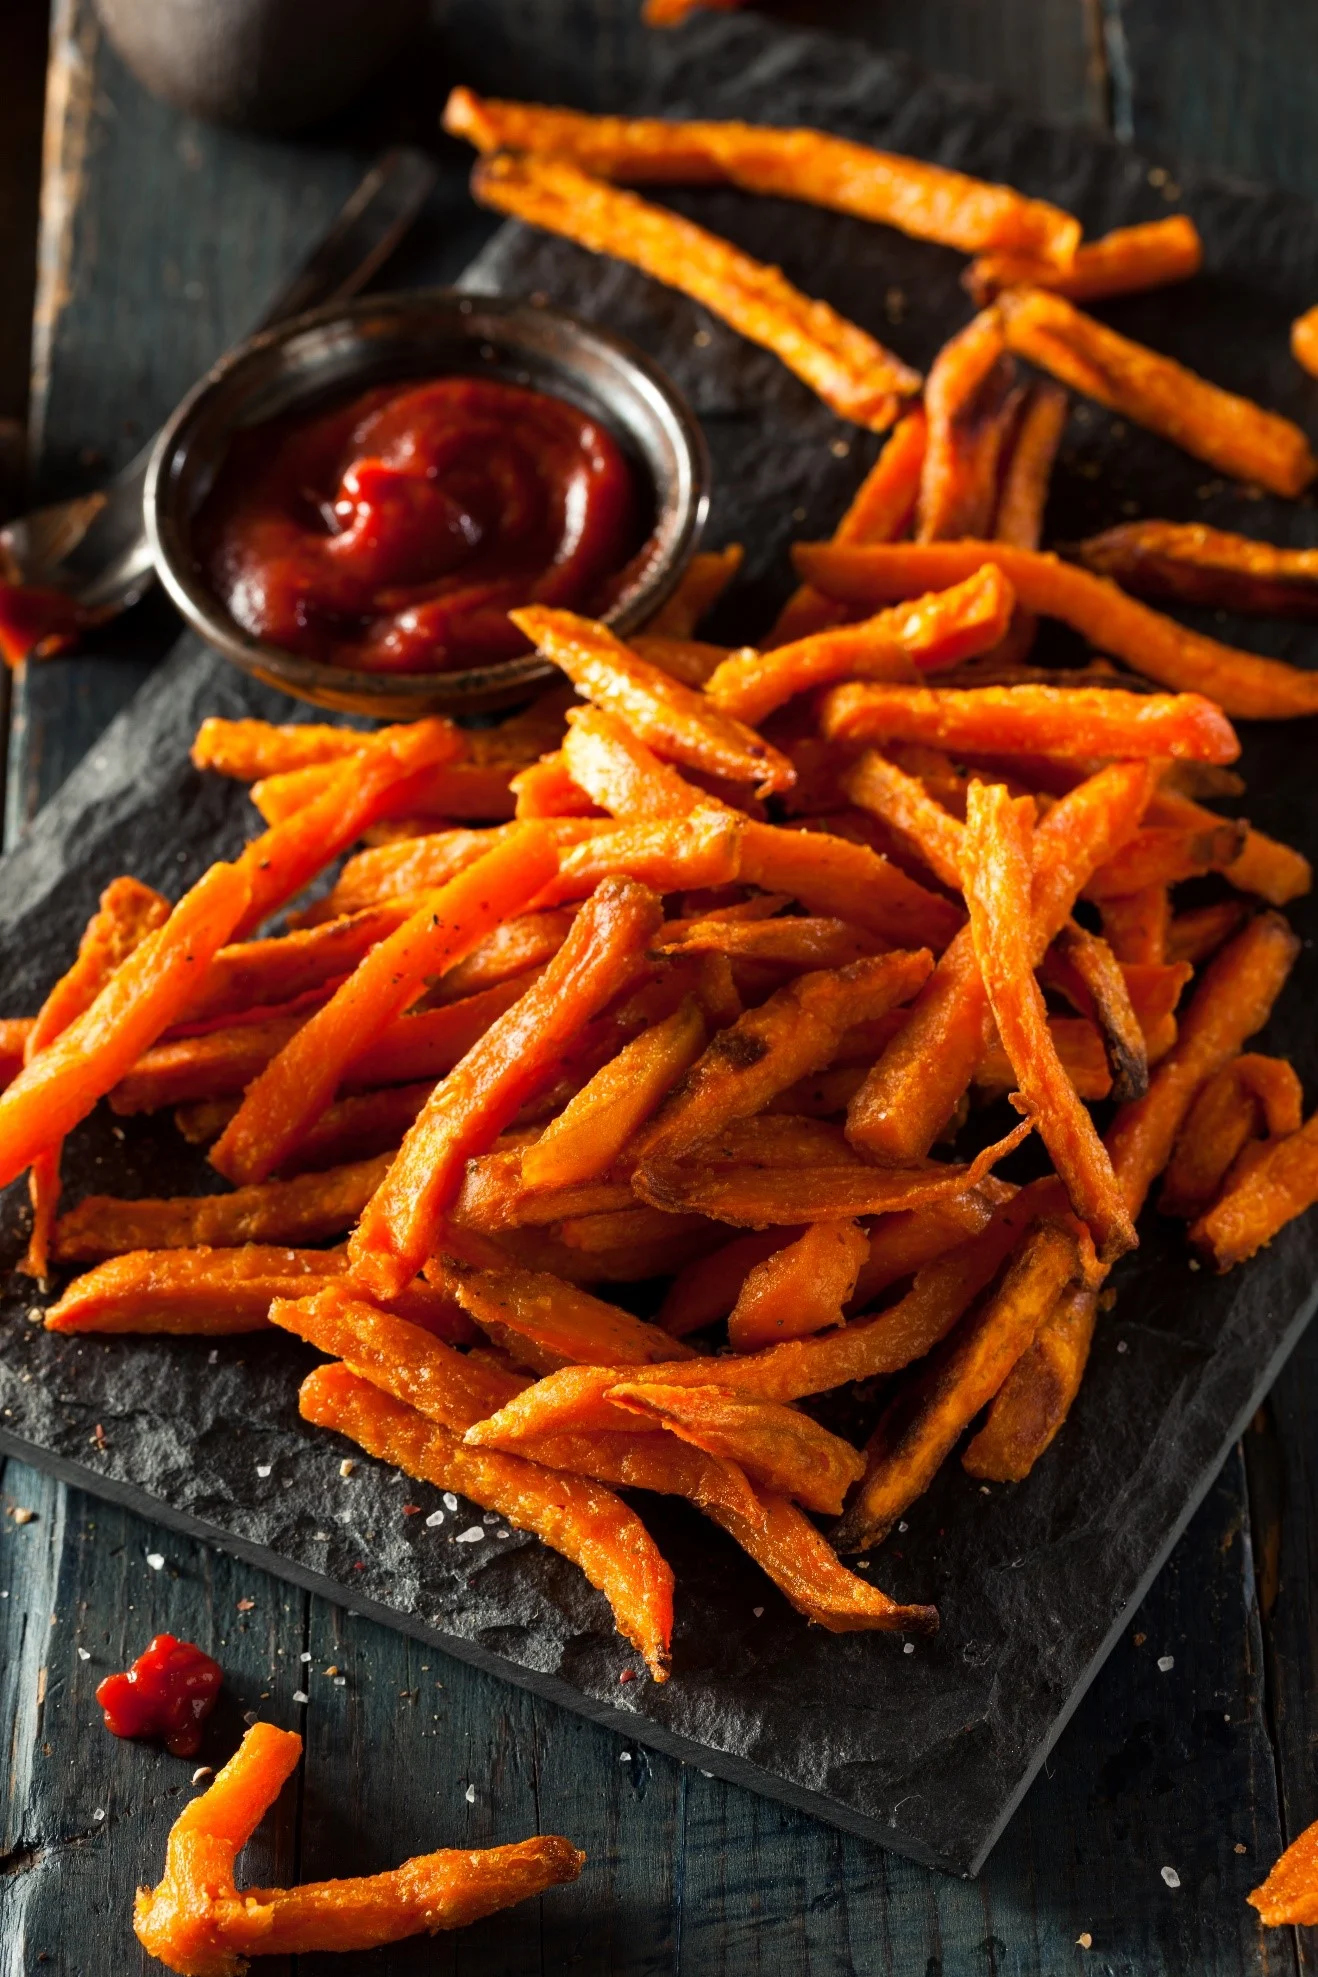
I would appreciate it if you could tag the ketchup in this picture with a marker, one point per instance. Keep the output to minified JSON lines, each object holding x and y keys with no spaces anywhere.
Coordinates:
{"x":37,"y":623}
{"x":167,"y":1694}
{"x":395,"y":533}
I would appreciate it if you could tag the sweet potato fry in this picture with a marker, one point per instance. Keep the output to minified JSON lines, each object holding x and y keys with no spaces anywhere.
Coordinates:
{"x":1080,"y":1052}
{"x":901,"y":1245}
{"x":879,"y":511}
{"x":680,"y":724}
{"x":528,"y":940}
{"x":412,"y":866}
{"x":799,"y":1289}
{"x":938,"y":630}
{"x":699,"y":589}
{"x":1191,"y":936}
{"x":1068,"y":721}
{"x":778,"y":1447}
{"x":1230,"y":433}
{"x":1192,"y":564}
{"x":920,"y":1427}
{"x":1243,"y":684}
{"x":806,"y":942}
{"x":545,"y":789}
{"x":1161,"y":855}
{"x":707,"y":1289}
{"x":283,"y":1103}
{"x":1275,"y":872}
{"x":308,"y":1209}
{"x":690,"y":660}
{"x":966,"y":393}
{"x":1304,"y":340}
{"x":1252,"y":1097}
{"x":60,"y":1085}
{"x":209,"y":1291}
{"x":1035,"y":1398}
{"x":1232,"y":1001}
{"x":620,"y":773}
{"x":592,"y":1129}
{"x":669,"y":854}
{"x":1094,"y":979}
{"x":996,"y":872}
{"x":493,"y":1196}
{"x":927,"y":201}
{"x":482,"y":1094}
{"x":832,"y":875}
{"x":795,"y":1032}
{"x":1261,"y":1198}
{"x":757,"y":1197}
{"x":582,"y":1520}
{"x":1024,"y":496}
{"x":1123,"y":262}
{"x":786,"y":1546}
{"x":852,"y":372}
{"x":907,"y":808}
{"x":1137,"y":925}
{"x":256,"y":974}
{"x":249,"y":750}
{"x":553,"y":1317}
{"x":1290,"y":1893}
{"x":460,"y":790}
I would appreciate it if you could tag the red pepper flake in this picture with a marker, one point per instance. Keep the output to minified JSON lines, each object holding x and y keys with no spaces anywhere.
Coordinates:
{"x":411,"y":1510}
{"x":246,"y":1605}
{"x":167,"y":1694}
{"x":627,"y":1675}
{"x":360,"y":1565}
{"x":98,"y":1437}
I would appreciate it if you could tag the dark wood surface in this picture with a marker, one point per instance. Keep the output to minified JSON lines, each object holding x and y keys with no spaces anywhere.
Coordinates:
{"x":159,"y":242}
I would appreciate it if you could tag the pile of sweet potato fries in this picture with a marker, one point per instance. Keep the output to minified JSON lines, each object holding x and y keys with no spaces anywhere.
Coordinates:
{"x":701,"y":974}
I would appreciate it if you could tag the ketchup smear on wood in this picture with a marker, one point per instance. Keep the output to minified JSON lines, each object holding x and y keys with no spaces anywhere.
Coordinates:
{"x":167,"y":1694}
{"x":396,"y":532}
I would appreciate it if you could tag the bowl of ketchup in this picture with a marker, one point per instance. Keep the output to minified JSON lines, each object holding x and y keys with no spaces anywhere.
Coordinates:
{"x":349,"y":505}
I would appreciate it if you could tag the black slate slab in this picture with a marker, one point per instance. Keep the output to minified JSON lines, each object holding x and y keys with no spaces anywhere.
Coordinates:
{"x":927,"y":1752}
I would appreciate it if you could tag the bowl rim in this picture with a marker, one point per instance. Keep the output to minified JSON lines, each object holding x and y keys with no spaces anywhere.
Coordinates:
{"x":392,"y":695}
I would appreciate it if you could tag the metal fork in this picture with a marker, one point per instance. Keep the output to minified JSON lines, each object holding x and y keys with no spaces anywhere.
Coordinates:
{"x":94,"y":547}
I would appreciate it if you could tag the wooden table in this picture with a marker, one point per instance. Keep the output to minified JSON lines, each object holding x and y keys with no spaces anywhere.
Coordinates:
{"x":159,"y":241}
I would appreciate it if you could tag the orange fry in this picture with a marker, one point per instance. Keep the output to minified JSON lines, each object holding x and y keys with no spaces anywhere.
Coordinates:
{"x":779,"y":1448}
{"x":901,"y":1245}
{"x":707,"y":1289}
{"x":834,"y":876}
{"x":1080,"y":1052}
{"x":699,"y":589}
{"x":1244,"y":685}
{"x":1162,"y":855}
{"x":1024,"y":496}
{"x":802,"y":942}
{"x":938,"y":630}
{"x":996,"y":871}
{"x":1035,"y":1398}
{"x":482,"y":1094}
{"x":1123,"y":262}
{"x":308,"y":1209}
{"x":1290,"y":1893}
{"x":1252,"y":1097}
{"x":1304,"y":340}
{"x":905,"y":805}
{"x":250,"y":750}
{"x":852,"y":372}
{"x":799,"y":1289}
{"x":669,"y":854}
{"x":592,"y":1129}
{"x":1192,"y":564}
{"x":804,"y":1566}
{"x":1066,"y":721}
{"x":1275,"y":872}
{"x":255,"y":974}
{"x":1193,"y":935}
{"x":1084,"y":968}
{"x":677,"y":722}
{"x":584,"y":1521}
{"x":690,"y":660}
{"x":1137,"y":925}
{"x":283,"y":1103}
{"x":1275,"y":1187}
{"x":411,"y":866}
{"x":545,"y":789}
{"x":453,"y":789}
{"x":1230,"y":433}
{"x":556,"y":1319}
{"x":619,"y":772}
{"x":967,"y":392}
{"x":927,"y":201}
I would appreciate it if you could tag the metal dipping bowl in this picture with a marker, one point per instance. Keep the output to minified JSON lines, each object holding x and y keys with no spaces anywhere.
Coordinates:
{"x":302,"y":364}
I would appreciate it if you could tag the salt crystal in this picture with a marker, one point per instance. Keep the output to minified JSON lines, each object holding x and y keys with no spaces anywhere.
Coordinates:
{"x":758,"y":1611}
{"x":1171,"y":1877}
{"x":490,"y":1517}
{"x":347,"y":1467}
{"x":300,"y":1695}
{"x":471,"y":1536}
{"x":1122,"y":1346}
{"x":1166,"y":1663}
{"x":249,"y":1717}
{"x":99,"y":1814}
{"x":22,"y":1516}
{"x":470,"y":1795}
{"x":202,"y":1771}
{"x":264,"y":1468}
{"x":435,"y":1519}
{"x":503,"y":1532}
{"x":84,"y":1654}
{"x":908,"y":1647}
{"x":903,"y":1526}
{"x":450,"y":1501}
{"x":305,"y":1655}
{"x":156,"y":1561}
{"x":624,"y":1757}
{"x":340,"y":1681}
{"x":1241,"y":1847}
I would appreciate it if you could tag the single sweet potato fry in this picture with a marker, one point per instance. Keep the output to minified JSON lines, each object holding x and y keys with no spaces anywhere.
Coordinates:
{"x":798,"y":942}
{"x":528,"y":940}
{"x":966,"y":392}
{"x":938,"y":630}
{"x":901,"y":1245}
{"x":1162,"y":855}
{"x":1136,"y":926}
{"x":778,"y":1447}
{"x":249,"y":750}
{"x":1123,"y":262}
{"x":458,"y":790}
{"x":592,"y":1129}
{"x":545,"y":789}
{"x":906,"y":807}
{"x":412,"y":866}
{"x":1304,"y":340}
{"x":1079,"y":1047}
{"x":1191,"y":936}
{"x":707,"y":1289}
{"x":799,"y":1289}
{"x":482,"y":1094}
{"x":680,"y":724}
{"x":584,"y":1521}
{"x":920,"y":1427}
{"x":1250,"y":1098}
{"x":1244,"y":685}
{"x":1290,"y":1893}
{"x":803,"y":1565}
{"x":996,"y":871}
{"x":690,"y":660}
{"x":1035,"y":1398}
{"x":61,"y":1083}
{"x":1091,"y":974}
{"x":311,"y":1208}
{"x":1230,"y":433}
{"x":1273,"y":871}
{"x":209,"y":1291}
{"x":1066,"y":721}
{"x":795,"y":1032}
{"x":670,"y":854}
{"x":832,"y":875}
{"x":927,"y":201}
{"x":620,"y":773}
{"x":1261,"y":1198}
{"x":852,"y":372}
{"x":699,"y":589}
{"x":554,"y":1317}
{"x":879,"y":511}
{"x":1190,"y":563}
{"x":1024,"y":496}
{"x":283,"y":1103}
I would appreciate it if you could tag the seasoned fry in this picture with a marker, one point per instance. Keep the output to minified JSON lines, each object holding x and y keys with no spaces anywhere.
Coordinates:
{"x":619,"y":772}
{"x":250,"y":750}
{"x":411,"y":866}
{"x":1272,"y":1190}
{"x":1162,"y":855}
{"x":901,"y":1245}
{"x":1080,"y":1051}
{"x":256,"y":974}
{"x":804,"y":942}
{"x":311,"y":1208}
{"x":283,"y":1103}
{"x":1068,"y":721}
{"x":1035,"y":1398}
{"x":458,"y":790}
{"x":1245,"y":686}
{"x":690,"y":660}
{"x":592,"y":1129}
{"x":699,"y":589}
{"x":555,"y":1318}
{"x":996,"y":872}
{"x":853,"y":374}
{"x":831,"y":875}
{"x":778,"y":1447}
{"x":919,"y":1428}
{"x":677,"y":722}
{"x":1290,"y":1893}
{"x":1092,"y":968}
{"x":1137,"y":925}
{"x":1024,"y":496}
{"x":1123,"y":262}
{"x":1192,"y":564}
{"x":1230,"y":433}
{"x":934,"y":631}
{"x":668,"y":854}
{"x":482,"y":1094}
{"x":583,"y":1520}
{"x":545,"y":789}
{"x":927,"y":201}
{"x":906,"y":807}
{"x":786,"y":1545}
{"x":708,"y":1288}
{"x":966,"y":393}
{"x":1275,"y":872}
{"x":799,"y":1289}
{"x":1252,"y":1097}
{"x":879,"y":511}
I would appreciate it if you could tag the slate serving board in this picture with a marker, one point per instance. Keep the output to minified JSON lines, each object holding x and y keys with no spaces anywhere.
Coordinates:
{"x":928,"y":1751}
